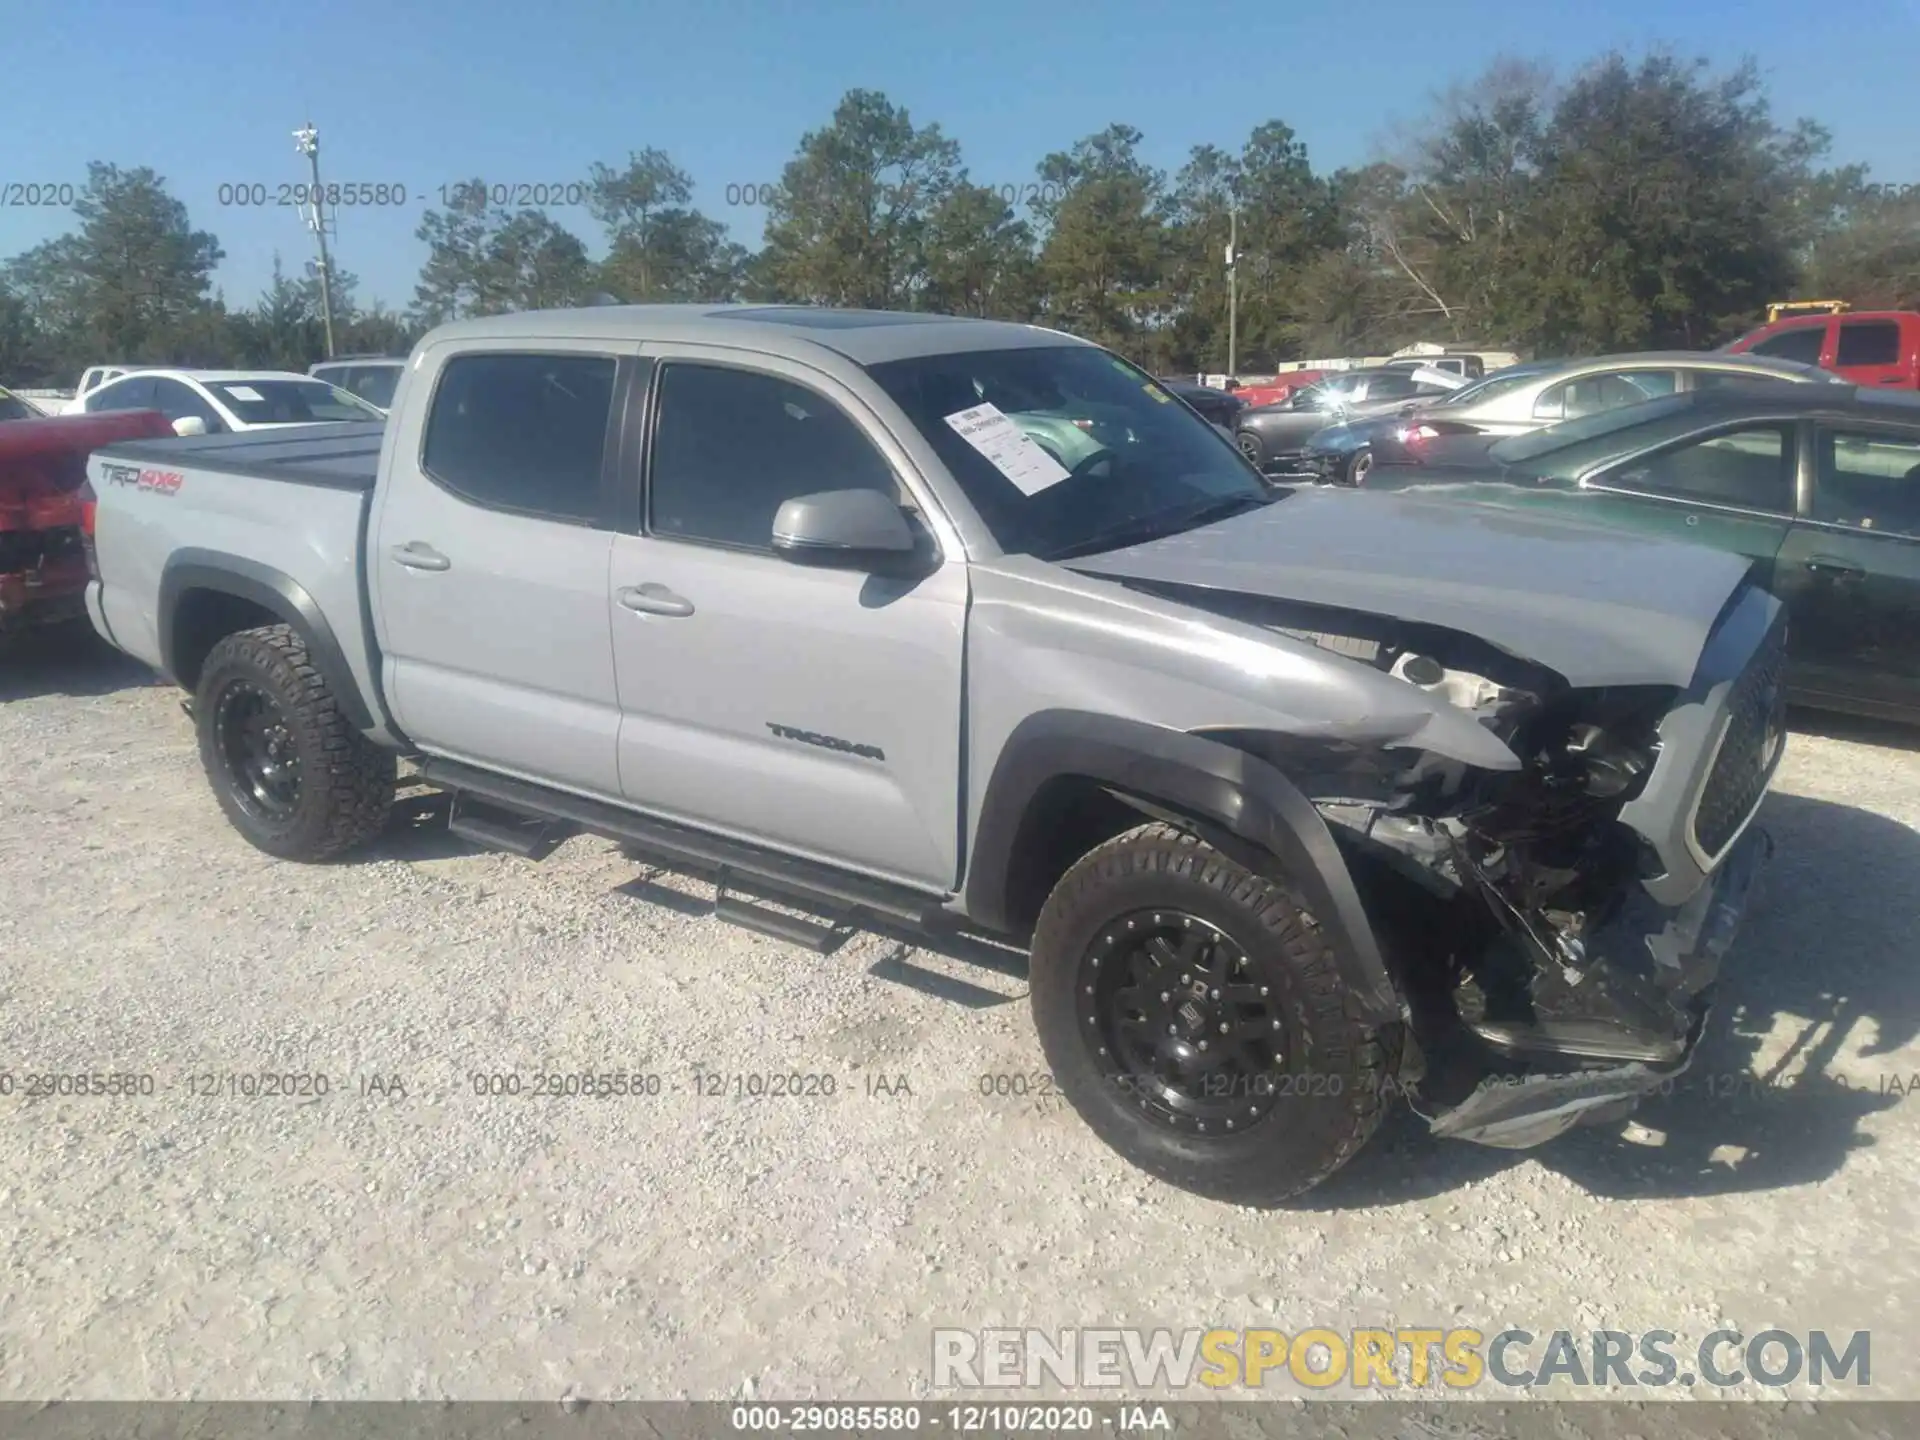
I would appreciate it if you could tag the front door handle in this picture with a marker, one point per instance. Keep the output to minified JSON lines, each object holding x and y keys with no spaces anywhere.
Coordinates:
{"x":654,"y":599}
{"x":418,"y":555}
{"x":1833,"y":569}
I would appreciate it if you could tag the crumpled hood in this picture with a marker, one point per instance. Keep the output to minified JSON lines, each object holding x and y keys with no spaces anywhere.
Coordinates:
{"x":1600,"y":607}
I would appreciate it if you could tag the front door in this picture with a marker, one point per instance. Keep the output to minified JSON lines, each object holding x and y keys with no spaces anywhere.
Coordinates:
{"x":487,"y":564}
{"x":814,"y":710}
{"x":1850,"y":572}
{"x":1731,"y":490}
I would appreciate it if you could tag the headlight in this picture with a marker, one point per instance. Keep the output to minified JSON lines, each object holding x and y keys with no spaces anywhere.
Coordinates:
{"x":1610,"y":768}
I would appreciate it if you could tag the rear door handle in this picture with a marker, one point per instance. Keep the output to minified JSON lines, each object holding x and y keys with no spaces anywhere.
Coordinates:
{"x":1834,"y":569}
{"x":654,"y":599}
{"x":418,"y":555}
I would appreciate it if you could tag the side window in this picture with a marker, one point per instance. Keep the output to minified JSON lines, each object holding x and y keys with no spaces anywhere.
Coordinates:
{"x":1868,"y":342}
{"x":135,"y":394}
{"x":1750,"y":469}
{"x":1719,"y":379}
{"x":731,"y":446}
{"x":1588,"y":395}
{"x":525,"y":433}
{"x":1652,"y":383}
{"x":1803,"y":343}
{"x":1869,"y":481}
{"x":1391,"y":387}
{"x":176,"y":401}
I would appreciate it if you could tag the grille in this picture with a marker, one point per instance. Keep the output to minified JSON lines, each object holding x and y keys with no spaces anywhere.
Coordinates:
{"x":1756,"y":722}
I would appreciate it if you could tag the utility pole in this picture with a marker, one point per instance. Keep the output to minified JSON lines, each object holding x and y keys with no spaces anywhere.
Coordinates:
{"x":1233,"y":290}
{"x":307,"y":141}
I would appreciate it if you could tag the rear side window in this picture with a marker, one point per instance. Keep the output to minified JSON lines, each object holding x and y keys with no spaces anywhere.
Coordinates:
{"x":525,"y":433}
{"x":1869,"y":481}
{"x":1804,"y":343}
{"x":1869,"y":342}
{"x":1589,"y":395}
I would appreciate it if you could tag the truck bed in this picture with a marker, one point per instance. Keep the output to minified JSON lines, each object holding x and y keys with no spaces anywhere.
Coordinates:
{"x":286,"y":509}
{"x":340,"y":457}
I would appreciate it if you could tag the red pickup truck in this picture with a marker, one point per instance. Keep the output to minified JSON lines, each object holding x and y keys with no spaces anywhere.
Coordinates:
{"x":44,"y":505}
{"x":1868,"y":347}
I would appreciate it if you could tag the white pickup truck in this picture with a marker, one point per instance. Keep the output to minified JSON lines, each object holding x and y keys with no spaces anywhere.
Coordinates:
{"x":1300,"y":800}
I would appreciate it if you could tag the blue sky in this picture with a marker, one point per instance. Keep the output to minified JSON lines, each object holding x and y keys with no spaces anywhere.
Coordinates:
{"x":425,"y":93}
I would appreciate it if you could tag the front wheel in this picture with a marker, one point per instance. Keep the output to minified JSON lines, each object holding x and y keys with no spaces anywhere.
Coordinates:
{"x":1194,"y":1015}
{"x":1249,"y":444}
{"x":292,"y":774}
{"x":1360,"y":466}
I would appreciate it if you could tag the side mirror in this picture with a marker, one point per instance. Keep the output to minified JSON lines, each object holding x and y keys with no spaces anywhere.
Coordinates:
{"x":848,"y":529}
{"x":189,"y":425}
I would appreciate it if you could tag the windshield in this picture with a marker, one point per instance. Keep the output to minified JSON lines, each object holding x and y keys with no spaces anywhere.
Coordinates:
{"x":1517,"y":449}
{"x":376,"y":384}
{"x":290,"y":402}
{"x":1090,"y":448}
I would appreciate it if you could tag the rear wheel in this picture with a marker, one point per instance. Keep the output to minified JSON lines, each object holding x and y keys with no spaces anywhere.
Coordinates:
{"x":1193,"y":1013}
{"x":293,"y":776}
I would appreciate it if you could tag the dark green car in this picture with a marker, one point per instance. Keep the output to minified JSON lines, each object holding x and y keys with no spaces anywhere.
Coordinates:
{"x":1819,"y":484}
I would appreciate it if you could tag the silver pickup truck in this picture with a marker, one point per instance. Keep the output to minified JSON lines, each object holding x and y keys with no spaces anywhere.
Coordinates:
{"x":1300,"y":802}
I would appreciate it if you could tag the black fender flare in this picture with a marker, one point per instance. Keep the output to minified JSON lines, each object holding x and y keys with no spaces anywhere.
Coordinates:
{"x":1240,"y":804}
{"x":191,"y":569}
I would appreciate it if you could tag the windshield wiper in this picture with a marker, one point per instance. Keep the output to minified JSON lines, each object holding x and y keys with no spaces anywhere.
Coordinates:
{"x":1156,"y":527}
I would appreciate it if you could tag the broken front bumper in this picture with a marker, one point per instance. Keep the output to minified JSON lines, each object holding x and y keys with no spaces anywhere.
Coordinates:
{"x":1518,"y":1112}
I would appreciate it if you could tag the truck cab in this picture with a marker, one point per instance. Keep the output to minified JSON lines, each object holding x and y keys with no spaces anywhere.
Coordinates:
{"x":1865,"y":347}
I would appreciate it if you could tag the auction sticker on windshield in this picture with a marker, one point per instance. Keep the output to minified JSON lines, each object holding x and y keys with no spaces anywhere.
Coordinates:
{"x":1008,"y":448}
{"x":244,"y":393}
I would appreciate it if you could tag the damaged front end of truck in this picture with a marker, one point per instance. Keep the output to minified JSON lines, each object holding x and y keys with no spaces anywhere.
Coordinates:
{"x":1556,"y":927}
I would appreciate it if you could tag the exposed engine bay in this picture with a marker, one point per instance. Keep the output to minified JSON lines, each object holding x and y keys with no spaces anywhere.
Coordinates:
{"x":1511,"y":902}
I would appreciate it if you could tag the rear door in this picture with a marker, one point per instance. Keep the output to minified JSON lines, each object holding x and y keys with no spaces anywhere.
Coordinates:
{"x":1870,"y":352}
{"x":816,"y":710}
{"x":1850,"y":570}
{"x":487,"y":560}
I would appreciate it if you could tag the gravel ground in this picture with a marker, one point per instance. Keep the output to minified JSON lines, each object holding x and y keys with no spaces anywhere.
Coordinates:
{"x":404,"y":1237}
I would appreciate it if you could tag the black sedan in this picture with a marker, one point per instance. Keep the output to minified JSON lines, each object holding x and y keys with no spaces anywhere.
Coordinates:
{"x":1221,"y":407}
{"x":1818,"y":484}
{"x":1274,"y":437}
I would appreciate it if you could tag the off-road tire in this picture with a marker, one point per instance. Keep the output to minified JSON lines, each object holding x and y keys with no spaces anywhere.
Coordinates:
{"x":1338,"y":1073}
{"x":346,"y":782}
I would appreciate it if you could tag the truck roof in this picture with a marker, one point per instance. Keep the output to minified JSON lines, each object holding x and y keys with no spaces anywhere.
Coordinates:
{"x":867,"y":337}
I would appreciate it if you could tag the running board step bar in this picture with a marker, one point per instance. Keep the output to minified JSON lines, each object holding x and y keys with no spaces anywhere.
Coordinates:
{"x":528,"y":836}
{"x":682,"y":848}
{"x":794,"y":929}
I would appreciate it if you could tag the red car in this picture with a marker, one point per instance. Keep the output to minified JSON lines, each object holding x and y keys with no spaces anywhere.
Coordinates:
{"x":45,"y":506}
{"x":1867,"y":347}
{"x":1276,"y":389}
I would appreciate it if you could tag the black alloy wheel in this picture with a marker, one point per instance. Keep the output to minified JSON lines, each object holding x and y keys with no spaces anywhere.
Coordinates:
{"x":1186,"y":1025}
{"x":258,"y":750}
